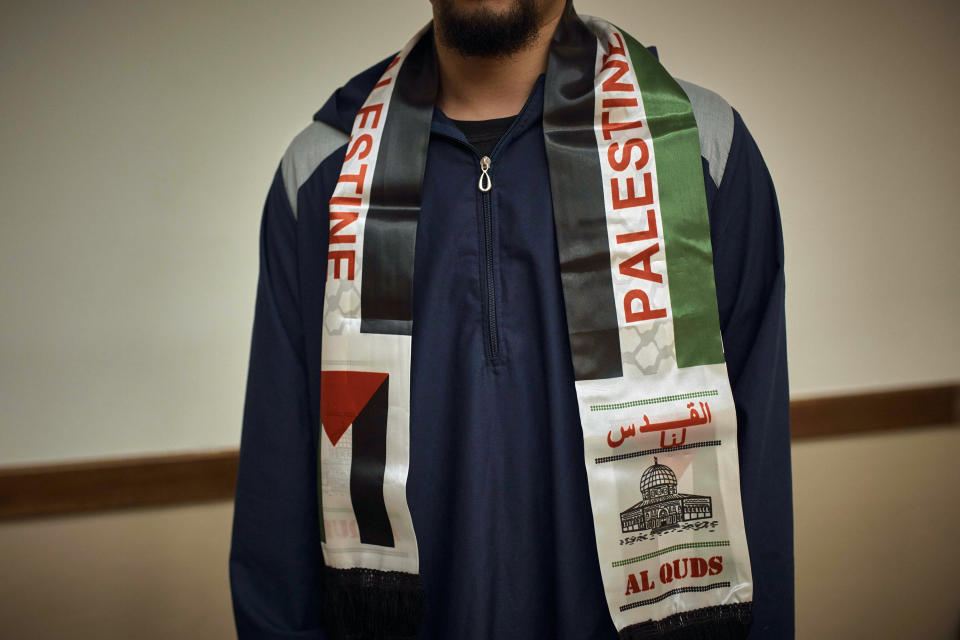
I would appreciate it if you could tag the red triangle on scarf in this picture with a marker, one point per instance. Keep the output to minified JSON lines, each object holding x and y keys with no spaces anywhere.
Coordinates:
{"x":343,"y":395}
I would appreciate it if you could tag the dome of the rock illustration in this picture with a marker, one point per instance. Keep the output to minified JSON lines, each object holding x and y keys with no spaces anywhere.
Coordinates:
{"x":658,"y":479}
{"x":662,"y":508}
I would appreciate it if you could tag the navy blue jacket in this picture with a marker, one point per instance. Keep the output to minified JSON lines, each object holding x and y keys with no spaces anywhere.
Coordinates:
{"x":497,"y":485}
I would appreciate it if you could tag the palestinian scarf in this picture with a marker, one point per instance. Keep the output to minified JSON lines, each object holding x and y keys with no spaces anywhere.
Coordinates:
{"x":657,"y":412}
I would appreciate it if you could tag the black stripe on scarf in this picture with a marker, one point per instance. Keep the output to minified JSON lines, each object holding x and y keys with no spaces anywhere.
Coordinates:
{"x":386,"y":290}
{"x":579,"y":212}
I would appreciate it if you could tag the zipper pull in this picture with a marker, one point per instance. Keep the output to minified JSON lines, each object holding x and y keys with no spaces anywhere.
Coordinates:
{"x":485,"y":183}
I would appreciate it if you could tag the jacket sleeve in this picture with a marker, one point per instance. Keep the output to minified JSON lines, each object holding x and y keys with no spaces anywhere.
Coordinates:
{"x":275,"y":548}
{"x":749,"y":268}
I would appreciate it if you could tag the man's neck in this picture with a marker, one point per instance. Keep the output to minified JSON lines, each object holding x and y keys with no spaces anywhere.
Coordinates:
{"x":480,"y":88}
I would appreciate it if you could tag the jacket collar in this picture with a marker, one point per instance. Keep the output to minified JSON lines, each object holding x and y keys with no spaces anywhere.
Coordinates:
{"x":528,"y":116}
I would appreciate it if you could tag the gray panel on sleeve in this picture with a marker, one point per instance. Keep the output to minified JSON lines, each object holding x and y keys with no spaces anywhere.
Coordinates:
{"x":307,"y":150}
{"x":715,"y":125}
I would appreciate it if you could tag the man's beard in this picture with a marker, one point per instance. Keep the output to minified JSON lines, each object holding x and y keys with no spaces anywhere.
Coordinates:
{"x":484,"y":32}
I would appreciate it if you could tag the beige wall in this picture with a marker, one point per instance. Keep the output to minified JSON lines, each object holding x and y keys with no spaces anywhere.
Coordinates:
{"x":146,"y":574}
{"x":876,"y":526}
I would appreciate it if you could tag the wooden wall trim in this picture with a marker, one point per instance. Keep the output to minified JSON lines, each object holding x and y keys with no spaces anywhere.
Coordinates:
{"x":111,"y":484}
{"x":877,"y":411}
{"x":199,"y":477}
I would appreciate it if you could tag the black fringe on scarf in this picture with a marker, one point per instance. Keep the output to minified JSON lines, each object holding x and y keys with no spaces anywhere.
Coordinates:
{"x":364,"y":604}
{"x":723,"y":622}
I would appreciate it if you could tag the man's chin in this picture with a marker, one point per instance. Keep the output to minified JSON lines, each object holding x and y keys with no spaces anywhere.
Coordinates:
{"x":486,"y":28}
{"x":489,"y":5}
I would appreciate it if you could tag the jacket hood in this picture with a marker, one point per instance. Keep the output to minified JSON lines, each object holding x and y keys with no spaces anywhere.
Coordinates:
{"x":342,"y":106}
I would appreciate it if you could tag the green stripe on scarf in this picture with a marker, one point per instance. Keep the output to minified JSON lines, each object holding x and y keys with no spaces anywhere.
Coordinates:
{"x":683,"y":211}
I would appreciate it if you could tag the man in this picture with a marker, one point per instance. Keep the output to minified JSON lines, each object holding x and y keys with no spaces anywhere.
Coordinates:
{"x":469,"y":513}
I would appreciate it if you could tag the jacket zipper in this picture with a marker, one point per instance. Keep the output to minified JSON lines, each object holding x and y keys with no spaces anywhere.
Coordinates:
{"x":485,"y":184}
